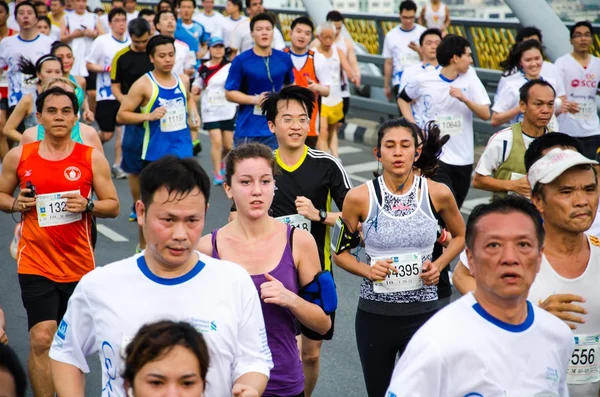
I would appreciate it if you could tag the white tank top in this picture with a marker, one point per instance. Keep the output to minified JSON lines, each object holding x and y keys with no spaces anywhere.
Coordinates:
{"x":81,"y":46}
{"x":341,"y":44}
{"x":337,"y":79}
{"x":435,"y":19}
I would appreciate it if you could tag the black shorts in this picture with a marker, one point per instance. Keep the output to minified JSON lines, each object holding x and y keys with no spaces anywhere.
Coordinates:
{"x":224,"y":125}
{"x":457,"y":178}
{"x":90,"y":81}
{"x":312,"y":335}
{"x":345,"y":109}
{"x":106,"y":114}
{"x":44,"y":299}
{"x":590,"y":146}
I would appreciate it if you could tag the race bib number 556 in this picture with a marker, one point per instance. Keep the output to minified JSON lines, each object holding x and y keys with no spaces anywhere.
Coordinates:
{"x":584,"y":364}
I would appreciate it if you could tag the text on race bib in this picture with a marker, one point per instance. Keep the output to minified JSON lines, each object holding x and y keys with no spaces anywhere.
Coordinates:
{"x":587,"y":111}
{"x":450,"y":125}
{"x":553,"y":124}
{"x":257,"y":110}
{"x":296,"y":220}
{"x":407,"y":278}
{"x":408,"y":58}
{"x":584,"y":365}
{"x":52,"y":209}
{"x":216,"y":98}
{"x":176,"y":117}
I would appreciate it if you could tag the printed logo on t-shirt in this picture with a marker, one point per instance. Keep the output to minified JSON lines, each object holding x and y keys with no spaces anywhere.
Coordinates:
{"x":72,"y":173}
{"x":589,"y":81}
{"x":62,"y":330}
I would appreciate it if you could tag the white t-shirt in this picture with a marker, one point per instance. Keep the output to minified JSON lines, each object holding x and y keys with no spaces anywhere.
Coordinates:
{"x":395,"y":46}
{"x":409,"y":74}
{"x":241,"y":37}
{"x":581,"y":86}
{"x":463,"y":351}
{"x":11,"y":49}
{"x":340,"y":42}
{"x":229,"y":25}
{"x":104,"y":49}
{"x":453,"y":116}
{"x":497,"y":151}
{"x":214,"y":105}
{"x":81,"y":46}
{"x":334,"y":68}
{"x":594,"y":230}
{"x":132,"y":15}
{"x":218,"y":298}
{"x":507,"y":93}
{"x":184,"y":58}
{"x":212,"y":24}
{"x":435,"y":19}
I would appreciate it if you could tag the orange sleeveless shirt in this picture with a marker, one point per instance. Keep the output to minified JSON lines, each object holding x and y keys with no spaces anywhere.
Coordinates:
{"x":56,"y":244}
{"x":301,"y":78}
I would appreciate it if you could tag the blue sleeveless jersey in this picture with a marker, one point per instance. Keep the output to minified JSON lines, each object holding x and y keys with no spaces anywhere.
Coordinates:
{"x":75,"y":133}
{"x":170,"y":134}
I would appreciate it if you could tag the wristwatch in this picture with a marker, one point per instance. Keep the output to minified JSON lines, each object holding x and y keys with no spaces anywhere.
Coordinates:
{"x":90,"y":206}
{"x":322,"y":215}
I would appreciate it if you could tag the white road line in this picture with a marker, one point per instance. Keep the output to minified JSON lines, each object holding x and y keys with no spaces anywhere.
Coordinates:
{"x":349,"y":150}
{"x":369,"y":166}
{"x":111,"y":234}
{"x":468,"y":205}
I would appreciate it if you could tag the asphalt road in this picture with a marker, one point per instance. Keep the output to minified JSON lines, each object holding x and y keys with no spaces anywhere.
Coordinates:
{"x":341,"y":374}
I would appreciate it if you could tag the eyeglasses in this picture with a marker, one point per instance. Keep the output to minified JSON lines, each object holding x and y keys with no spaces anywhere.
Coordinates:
{"x":302,"y":120}
{"x":579,"y":35}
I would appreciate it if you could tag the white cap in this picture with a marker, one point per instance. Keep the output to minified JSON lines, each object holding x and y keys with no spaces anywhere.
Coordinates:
{"x":554,"y":163}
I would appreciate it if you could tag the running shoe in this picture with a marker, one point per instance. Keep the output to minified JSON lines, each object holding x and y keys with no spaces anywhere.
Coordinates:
{"x":218,"y":180}
{"x":133,"y":215}
{"x":138,"y":250}
{"x":14,"y":244}
{"x":222,"y":168}
{"x":118,"y":173}
{"x":197,"y":147}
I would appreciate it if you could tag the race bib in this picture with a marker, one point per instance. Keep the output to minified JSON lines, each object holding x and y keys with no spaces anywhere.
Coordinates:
{"x":175,"y":118}
{"x":216,"y":98}
{"x":408,"y":58}
{"x":587,"y":111}
{"x":296,"y":220}
{"x":408,"y":277}
{"x":553,"y":124}
{"x":52,"y":209}
{"x":584,"y":365}
{"x":450,"y":125}
{"x":257,"y":110}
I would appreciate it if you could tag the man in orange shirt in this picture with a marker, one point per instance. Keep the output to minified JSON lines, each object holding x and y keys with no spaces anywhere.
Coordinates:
{"x":310,"y":70}
{"x":56,"y":177}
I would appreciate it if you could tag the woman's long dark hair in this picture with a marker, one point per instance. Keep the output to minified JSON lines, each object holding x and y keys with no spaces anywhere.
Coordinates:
{"x":430,"y":142}
{"x":513,"y":62}
{"x":29,"y":68}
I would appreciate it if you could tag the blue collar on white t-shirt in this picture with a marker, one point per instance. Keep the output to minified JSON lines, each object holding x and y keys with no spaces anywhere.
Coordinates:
{"x":143,"y":266}
{"x":524,"y":326}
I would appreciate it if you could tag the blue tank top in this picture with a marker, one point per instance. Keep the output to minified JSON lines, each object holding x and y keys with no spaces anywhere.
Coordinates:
{"x":78,"y":91}
{"x":170,"y":134}
{"x":75,"y":133}
{"x":287,"y":377}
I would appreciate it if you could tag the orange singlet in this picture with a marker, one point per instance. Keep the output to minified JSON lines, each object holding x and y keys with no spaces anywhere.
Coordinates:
{"x":301,"y":78}
{"x":56,"y":244}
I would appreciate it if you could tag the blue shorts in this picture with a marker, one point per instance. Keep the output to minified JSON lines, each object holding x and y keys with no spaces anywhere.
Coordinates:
{"x":132,"y":146}
{"x":270,"y":140}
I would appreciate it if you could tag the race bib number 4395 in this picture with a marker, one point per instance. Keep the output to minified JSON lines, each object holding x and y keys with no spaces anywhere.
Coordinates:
{"x":406,"y":278}
{"x":584,"y":365}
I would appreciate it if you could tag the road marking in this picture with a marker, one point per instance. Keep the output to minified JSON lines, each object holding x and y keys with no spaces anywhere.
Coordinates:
{"x":349,"y":131}
{"x":348,"y":150}
{"x":369,"y":166}
{"x":111,"y":234}
{"x":469,"y":205}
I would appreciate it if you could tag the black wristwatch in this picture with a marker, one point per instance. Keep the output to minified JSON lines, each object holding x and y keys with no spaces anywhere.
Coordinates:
{"x":322,"y":215}
{"x":90,"y":206}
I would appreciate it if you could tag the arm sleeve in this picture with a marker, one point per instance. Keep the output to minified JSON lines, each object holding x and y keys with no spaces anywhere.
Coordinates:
{"x":95,"y":54}
{"x":234,"y":78}
{"x":411,"y":91}
{"x":387,"y":48}
{"x":76,"y":335}
{"x":504,"y":99}
{"x":253,"y":353}
{"x":419,"y":371}
{"x":463,"y":258}
{"x":115,"y":70}
{"x":478,"y":92}
{"x":236,"y":38}
{"x":560,"y":85}
{"x":322,"y":70}
{"x":405,"y":78}
{"x":340,"y":183}
{"x":492,"y":156}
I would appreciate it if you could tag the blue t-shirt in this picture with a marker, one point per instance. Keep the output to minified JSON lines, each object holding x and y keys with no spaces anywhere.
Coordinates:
{"x":192,"y":36}
{"x":253,"y":75}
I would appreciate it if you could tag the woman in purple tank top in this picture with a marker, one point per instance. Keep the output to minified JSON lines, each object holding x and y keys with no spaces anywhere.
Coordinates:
{"x":279,"y":258}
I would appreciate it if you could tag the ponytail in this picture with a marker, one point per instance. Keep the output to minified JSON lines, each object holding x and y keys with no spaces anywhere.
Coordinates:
{"x":431,"y":149}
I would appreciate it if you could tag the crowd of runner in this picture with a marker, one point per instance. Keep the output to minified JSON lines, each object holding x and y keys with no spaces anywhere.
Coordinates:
{"x":244,"y":310}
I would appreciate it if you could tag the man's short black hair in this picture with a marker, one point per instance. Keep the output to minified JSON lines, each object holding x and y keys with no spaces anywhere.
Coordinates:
{"x":165,"y":1}
{"x":237,"y":3}
{"x":505,"y":205}
{"x":408,"y":5}
{"x":23,"y":4}
{"x":179,"y":176}
{"x":581,"y":23}
{"x":160,"y":14}
{"x":528,"y":31}
{"x":157,"y":40}
{"x":9,"y":361}
{"x":525,"y":88}
{"x":303,"y":21}
{"x":334,"y":16}
{"x":146,"y":11}
{"x":249,"y":3}
{"x":193,"y":2}
{"x":5,"y":6}
{"x":428,"y":32}
{"x":55,"y":91}
{"x":263,"y":16}
{"x":289,"y":93}
{"x":116,"y":11}
{"x":450,"y":46}
{"x":139,"y":26}
{"x":547,"y":141}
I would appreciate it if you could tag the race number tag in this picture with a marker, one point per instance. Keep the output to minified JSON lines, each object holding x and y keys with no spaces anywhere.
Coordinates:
{"x":296,"y":220}
{"x":553,"y":124}
{"x":52,"y":209}
{"x":587,"y":111}
{"x":175,"y":118}
{"x":408,"y":58}
{"x":257,"y":110}
{"x":216,"y":98}
{"x":513,"y":177}
{"x":584,"y":365}
{"x":450,"y":125}
{"x":408,"y":277}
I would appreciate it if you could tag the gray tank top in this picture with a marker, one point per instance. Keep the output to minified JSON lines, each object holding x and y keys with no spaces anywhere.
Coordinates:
{"x":398,"y":224}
